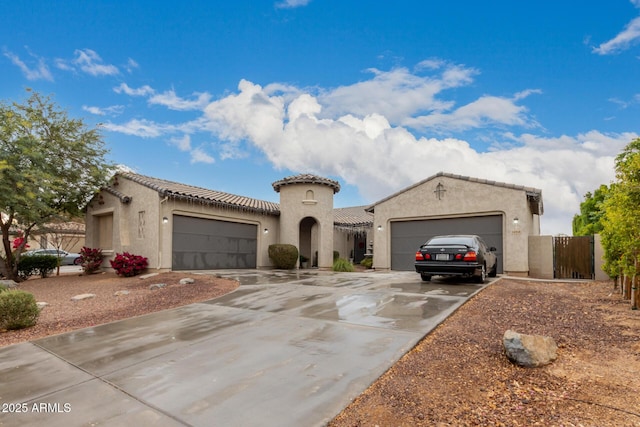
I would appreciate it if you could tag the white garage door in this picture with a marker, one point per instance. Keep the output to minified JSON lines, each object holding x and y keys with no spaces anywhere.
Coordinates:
{"x":206,"y":244}
{"x":407,"y":236}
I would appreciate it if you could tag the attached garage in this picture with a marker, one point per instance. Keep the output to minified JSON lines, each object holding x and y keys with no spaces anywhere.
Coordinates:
{"x":503,"y":214}
{"x":407,"y":236}
{"x":208,"y":244}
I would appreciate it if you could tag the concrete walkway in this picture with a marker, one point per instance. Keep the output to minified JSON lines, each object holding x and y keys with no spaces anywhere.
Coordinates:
{"x":284,"y":349}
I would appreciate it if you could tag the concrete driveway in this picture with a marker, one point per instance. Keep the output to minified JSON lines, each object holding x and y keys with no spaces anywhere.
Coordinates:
{"x":284,"y":349}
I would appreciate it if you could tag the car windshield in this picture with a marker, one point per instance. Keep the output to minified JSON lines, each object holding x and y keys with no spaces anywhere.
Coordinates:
{"x":444,"y":241}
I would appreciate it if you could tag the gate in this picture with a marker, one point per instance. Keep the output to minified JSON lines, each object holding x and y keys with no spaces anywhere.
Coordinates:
{"x":573,"y":257}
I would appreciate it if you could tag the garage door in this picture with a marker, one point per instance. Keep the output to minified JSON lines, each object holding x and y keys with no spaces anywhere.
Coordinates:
{"x":206,"y":244}
{"x":407,"y":236}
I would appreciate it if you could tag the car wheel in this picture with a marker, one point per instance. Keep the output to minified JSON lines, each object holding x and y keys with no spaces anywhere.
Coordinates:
{"x":425,"y":277}
{"x":483,"y":275}
{"x":494,"y":270}
{"x":77,"y":261}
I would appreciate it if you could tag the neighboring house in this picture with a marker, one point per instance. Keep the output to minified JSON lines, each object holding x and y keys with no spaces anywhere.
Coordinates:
{"x":68,"y":236}
{"x":182,"y":227}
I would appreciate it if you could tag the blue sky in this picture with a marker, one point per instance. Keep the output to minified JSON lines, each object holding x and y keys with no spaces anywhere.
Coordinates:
{"x":235,"y":95}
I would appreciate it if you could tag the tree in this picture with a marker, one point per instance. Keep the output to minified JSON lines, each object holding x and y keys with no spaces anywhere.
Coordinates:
{"x":589,"y":221}
{"x":621,"y":222}
{"x":50,"y":165}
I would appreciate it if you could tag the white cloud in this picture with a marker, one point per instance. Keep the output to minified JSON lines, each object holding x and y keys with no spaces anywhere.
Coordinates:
{"x":111,"y":110}
{"x":198,"y":155}
{"x":183,"y":143}
{"x":63,"y":65}
{"x":131,"y":65}
{"x":380,"y":158}
{"x":170,"y":100}
{"x":40,"y":71}
{"x":142,"y":128}
{"x":232,"y":150}
{"x":479,"y":113}
{"x":396,"y":94}
{"x":141,"y":91}
{"x":290,"y":4}
{"x":625,"y":39}
{"x":91,"y":63}
{"x":361,"y":133}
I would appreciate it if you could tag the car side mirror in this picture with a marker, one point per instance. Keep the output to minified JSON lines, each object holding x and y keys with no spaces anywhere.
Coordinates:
{"x":492,"y":249}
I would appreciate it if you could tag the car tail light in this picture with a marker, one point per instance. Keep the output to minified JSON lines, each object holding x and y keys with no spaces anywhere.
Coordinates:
{"x":419,"y":256}
{"x":459,"y":257}
{"x":470,"y":256}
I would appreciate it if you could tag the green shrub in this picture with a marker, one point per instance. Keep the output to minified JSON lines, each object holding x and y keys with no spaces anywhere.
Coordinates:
{"x":367,"y":262}
{"x":18,"y":309}
{"x":342,"y":264}
{"x":42,"y":265}
{"x":284,"y":256}
{"x":90,"y":259}
{"x":3,"y":288}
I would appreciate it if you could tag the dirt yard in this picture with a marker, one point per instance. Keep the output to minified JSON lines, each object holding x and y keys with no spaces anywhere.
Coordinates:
{"x":63,"y":315}
{"x":458,"y":375}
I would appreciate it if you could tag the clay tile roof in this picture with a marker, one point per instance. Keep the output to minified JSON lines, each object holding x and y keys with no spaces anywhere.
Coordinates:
{"x":306,"y":178}
{"x":179,"y":191}
{"x":123,"y":197}
{"x":355,"y":216}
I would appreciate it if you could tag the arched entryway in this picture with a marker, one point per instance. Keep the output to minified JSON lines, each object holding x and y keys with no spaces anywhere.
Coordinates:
{"x":309,"y":240}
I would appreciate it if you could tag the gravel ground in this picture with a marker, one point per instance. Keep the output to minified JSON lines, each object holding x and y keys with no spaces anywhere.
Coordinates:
{"x":63,"y":315}
{"x":456,"y":376}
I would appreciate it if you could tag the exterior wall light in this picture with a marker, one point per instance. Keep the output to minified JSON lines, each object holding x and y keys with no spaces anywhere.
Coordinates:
{"x":515,"y":221}
{"x":266,"y":231}
{"x":165,"y":220}
{"x":379,"y":228}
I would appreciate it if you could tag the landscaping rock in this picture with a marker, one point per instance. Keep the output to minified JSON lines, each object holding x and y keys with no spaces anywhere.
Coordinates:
{"x":146,"y":276}
{"x":42,"y":304}
{"x":187,"y":281}
{"x":529,"y":350}
{"x":82,"y":297}
{"x":120,"y":293}
{"x":9,"y":284}
{"x":157,"y":286}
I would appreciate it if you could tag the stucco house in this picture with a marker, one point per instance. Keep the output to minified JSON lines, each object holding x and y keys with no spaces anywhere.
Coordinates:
{"x":182,"y":227}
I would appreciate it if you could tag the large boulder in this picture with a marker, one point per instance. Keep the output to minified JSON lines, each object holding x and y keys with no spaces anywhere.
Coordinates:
{"x":9,"y":284}
{"x":529,"y":350}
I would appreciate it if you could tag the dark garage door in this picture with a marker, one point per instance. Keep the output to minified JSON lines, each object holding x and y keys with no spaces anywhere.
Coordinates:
{"x":407,"y":236}
{"x":206,"y":244}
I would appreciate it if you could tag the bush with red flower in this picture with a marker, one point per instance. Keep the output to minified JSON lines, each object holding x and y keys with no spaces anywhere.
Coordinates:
{"x":128,"y":265}
{"x":90,"y":259}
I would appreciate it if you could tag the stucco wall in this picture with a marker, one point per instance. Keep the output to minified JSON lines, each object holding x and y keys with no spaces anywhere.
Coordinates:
{"x":295,"y":205}
{"x":460,"y":198}
{"x":541,"y":257}
{"x":598,"y":257}
{"x":153,"y":238}
{"x":132,"y":232}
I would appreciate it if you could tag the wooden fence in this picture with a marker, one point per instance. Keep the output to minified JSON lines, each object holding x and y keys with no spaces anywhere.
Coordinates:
{"x":573,"y":257}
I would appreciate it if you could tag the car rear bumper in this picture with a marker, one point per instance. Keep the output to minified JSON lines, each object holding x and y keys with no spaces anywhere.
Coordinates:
{"x":448,"y":269}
